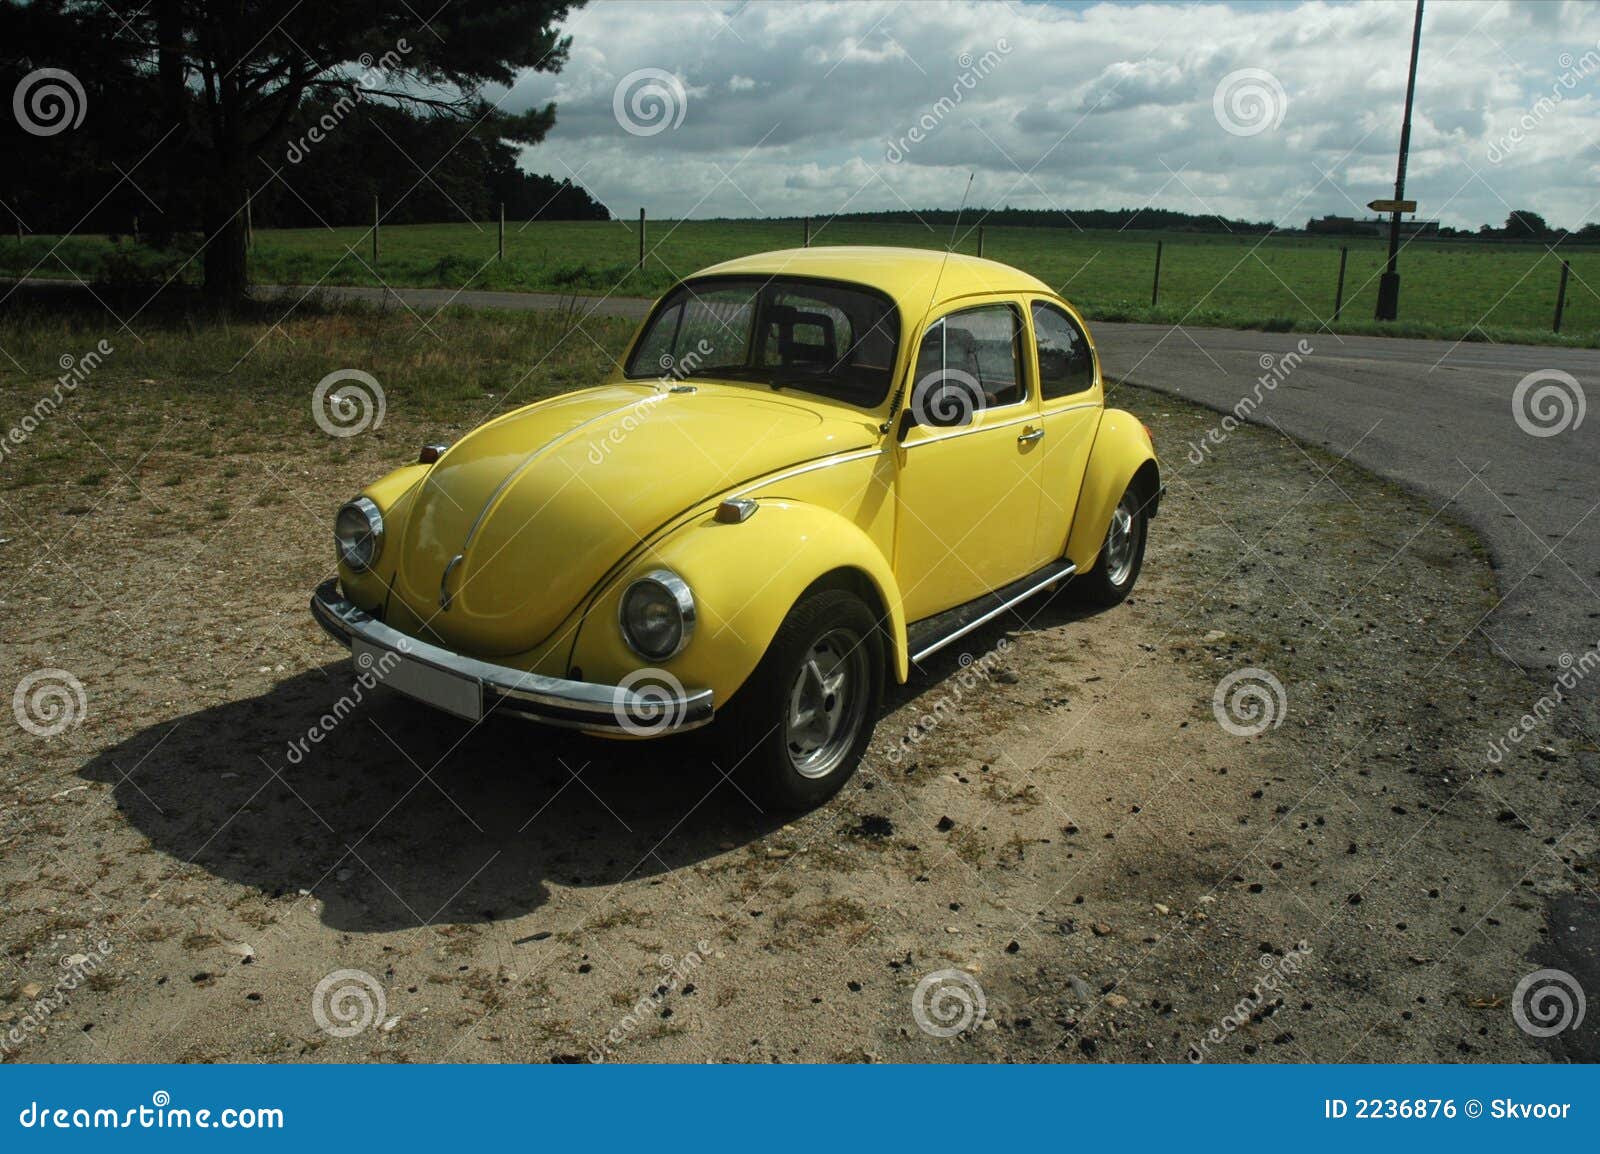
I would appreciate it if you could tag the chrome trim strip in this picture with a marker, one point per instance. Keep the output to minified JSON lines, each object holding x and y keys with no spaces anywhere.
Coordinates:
{"x":995,"y":612}
{"x":968,"y":430}
{"x":852,"y":455}
{"x":523,"y":465}
{"x":552,"y":700}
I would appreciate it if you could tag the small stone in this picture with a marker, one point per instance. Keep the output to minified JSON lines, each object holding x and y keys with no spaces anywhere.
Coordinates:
{"x":1013,"y":946}
{"x":391,"y":1023}
{"x":1162,"y":910}
{"x":1080,"y":988}
{"x":952,"y":929}
{"x":945,"y":825}
{"x":1101,"y":930}
{"x":32,"y":990}
{"x":1116,"y":1001}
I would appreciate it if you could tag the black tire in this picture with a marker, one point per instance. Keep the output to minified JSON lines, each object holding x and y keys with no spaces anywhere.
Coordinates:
{"x":1121,"y":557}
{"x":764,"y":749}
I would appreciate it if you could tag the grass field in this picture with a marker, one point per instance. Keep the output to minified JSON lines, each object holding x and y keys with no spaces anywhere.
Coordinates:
{"x":1450,"y":289}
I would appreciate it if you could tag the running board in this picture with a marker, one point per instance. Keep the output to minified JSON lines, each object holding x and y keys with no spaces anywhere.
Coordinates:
{"x":926,"y":637}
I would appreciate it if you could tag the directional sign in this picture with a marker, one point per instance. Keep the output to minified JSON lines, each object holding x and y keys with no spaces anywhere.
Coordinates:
{"x":1392,"y":205}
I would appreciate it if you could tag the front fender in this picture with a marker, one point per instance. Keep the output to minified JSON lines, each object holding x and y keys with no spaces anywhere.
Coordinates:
{"x":1122,"y":451}
{"x":745,"y":578}
{"x":393,"y":495}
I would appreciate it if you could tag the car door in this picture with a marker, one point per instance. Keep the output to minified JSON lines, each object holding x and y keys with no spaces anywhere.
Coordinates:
{"x":1070,"y":403}
{"x":968,"y":483}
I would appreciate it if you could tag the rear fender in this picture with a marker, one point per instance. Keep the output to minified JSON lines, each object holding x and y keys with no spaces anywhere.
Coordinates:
{"x":1122,"y":455}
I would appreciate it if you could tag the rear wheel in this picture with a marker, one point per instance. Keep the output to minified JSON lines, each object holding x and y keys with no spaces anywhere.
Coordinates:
{"x":796,"y":730}
{"x":1121,"y":555}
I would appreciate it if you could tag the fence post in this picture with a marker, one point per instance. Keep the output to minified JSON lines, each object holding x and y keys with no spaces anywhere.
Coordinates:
{"x":1338,"y":293}
{"x":641,"y":239}
{"x":502,"y":249}
{"x":1155,"y":287}
{"x":1561,"y":293}
{"x":980,"y":240}
{"x":808,"y":233}
{"x":375,"y":221}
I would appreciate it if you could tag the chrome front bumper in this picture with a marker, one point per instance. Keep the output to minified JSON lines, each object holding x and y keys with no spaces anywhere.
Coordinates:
{"x":610,"y":709}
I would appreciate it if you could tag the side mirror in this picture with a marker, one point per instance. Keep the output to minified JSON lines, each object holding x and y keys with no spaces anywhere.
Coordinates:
{"x":908,"y":421}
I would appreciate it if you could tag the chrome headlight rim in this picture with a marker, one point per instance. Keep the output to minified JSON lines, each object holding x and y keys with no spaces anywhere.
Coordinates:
{"x":677,"y":589}
{"x":369,"y":511}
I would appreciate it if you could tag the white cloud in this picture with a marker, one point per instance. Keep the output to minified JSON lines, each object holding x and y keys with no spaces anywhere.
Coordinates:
{"x":801,"y":103}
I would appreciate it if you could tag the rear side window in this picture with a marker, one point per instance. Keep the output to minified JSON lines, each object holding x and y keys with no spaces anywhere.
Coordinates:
{"x":969,"y":361}
{"x":1066,"y":364}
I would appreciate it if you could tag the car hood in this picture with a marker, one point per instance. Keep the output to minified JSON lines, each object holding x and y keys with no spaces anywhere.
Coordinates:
{"x":539,"y":504}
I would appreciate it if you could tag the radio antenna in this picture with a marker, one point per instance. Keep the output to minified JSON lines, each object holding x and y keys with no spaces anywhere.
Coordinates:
{"x":933,"y":297}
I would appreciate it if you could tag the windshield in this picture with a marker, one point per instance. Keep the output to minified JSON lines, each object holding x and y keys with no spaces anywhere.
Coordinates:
{"x":834,"y":340}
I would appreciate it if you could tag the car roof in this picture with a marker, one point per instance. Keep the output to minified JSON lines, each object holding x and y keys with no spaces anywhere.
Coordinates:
{"x":908,"y":275}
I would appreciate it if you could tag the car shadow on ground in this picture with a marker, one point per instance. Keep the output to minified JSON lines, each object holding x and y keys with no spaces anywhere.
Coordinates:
{"x":398,"y":816}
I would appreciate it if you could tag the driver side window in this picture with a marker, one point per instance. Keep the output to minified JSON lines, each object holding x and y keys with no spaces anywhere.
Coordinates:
{"x":969,"y":361}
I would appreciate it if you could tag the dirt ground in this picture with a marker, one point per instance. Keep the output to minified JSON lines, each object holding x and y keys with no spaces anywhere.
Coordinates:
{"x":1054,"y":821}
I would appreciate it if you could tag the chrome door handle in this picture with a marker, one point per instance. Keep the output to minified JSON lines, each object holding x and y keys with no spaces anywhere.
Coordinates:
{"x":1030,"y":436}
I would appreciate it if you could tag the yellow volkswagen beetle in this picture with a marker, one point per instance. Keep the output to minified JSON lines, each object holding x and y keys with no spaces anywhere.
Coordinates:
{"x":812,"y":470}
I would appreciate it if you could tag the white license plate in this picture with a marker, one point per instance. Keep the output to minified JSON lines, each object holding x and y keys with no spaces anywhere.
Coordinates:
{"x":440,"y":688}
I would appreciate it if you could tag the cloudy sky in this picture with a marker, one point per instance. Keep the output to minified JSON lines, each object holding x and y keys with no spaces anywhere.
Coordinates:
{"x":1264,"y":111}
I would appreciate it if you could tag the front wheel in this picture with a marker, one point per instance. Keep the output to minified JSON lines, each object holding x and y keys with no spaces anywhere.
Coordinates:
{"x":1121,"y":555}
{"x":796,"y":730}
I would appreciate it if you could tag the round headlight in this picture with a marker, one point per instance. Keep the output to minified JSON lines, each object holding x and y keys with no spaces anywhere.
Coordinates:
{"x":657,"y":615}
{"x":358,"y":533}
